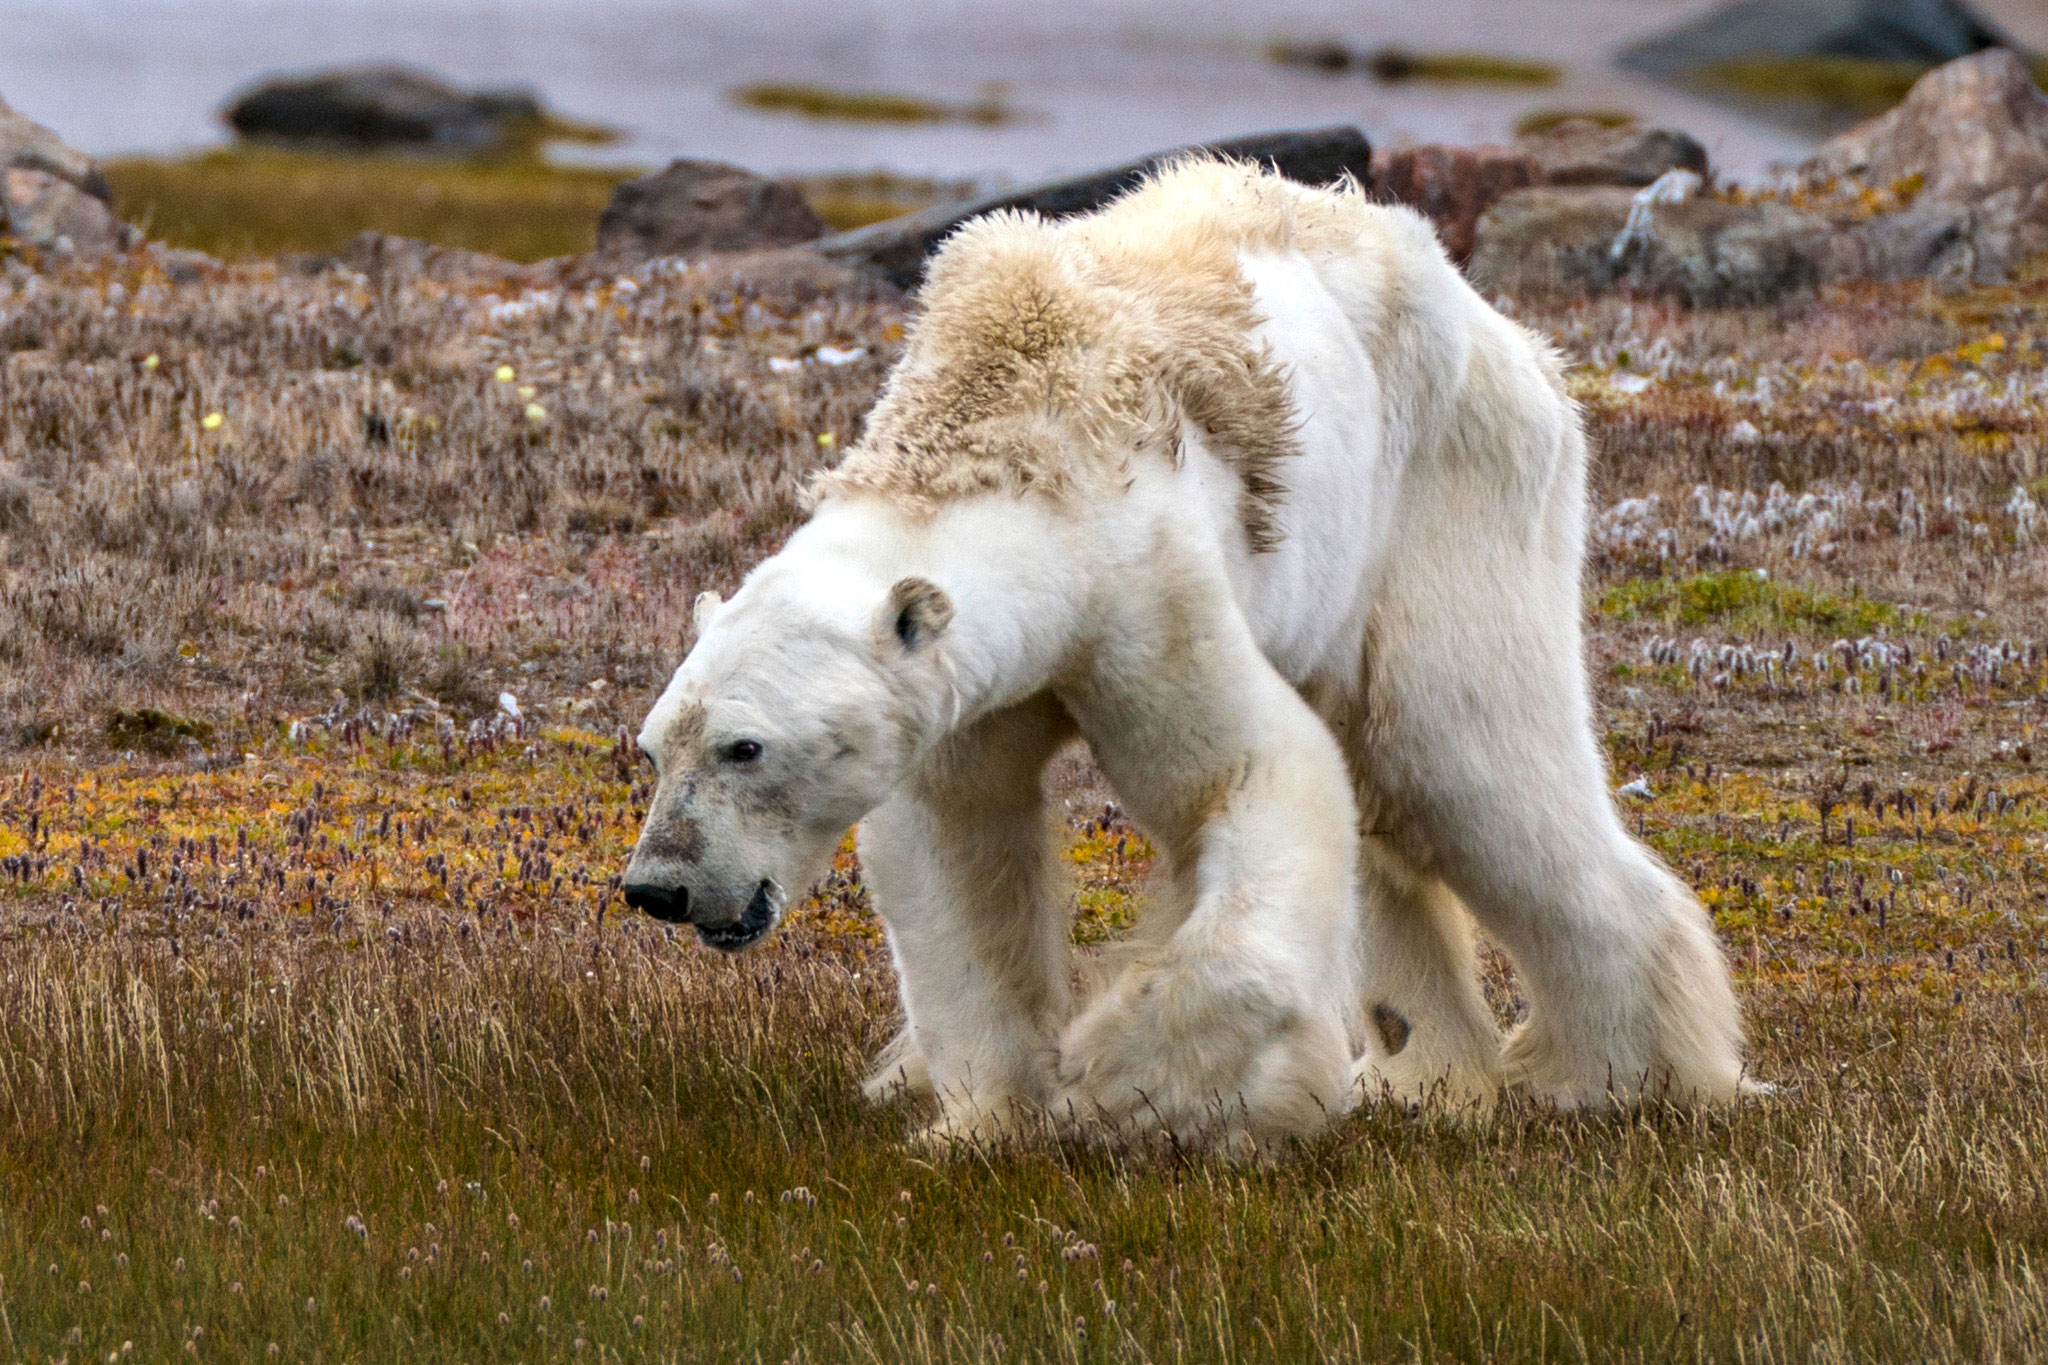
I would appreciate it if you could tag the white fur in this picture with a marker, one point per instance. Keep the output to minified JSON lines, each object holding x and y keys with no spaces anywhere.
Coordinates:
{"x":1339,"y":744}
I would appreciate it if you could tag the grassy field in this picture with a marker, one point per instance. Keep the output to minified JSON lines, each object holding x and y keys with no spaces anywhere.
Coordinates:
{"x":323,"y":1036}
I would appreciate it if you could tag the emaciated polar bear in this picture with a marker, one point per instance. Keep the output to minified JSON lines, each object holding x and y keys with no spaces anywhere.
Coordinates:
{"x":1239,"y":480}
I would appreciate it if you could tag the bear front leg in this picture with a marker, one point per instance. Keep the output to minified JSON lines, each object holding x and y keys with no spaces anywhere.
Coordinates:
{"x":963,"y":873}
{"x":1230,"y":1024}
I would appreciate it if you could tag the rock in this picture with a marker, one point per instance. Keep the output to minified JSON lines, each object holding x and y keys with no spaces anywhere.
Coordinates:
{"x":795,"y":275}
{"x":56,"y":216}
{"x":391,"y":260}
{"x":699,"y":207}
{"x":896,"y":249}
{"x":1919,"y":31}
{"x":1453,"y":186}
{"x":383,"y":106}
{"x":1583,"y":151}
{"x":52,"y":196}
{"x":1704,"y":251}
{"x":29,"y":146}
{"x":182,"y":265}
{"x":1967,"y":129}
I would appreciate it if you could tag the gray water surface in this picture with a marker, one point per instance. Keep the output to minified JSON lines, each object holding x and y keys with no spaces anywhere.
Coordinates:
{"x":1100,"y":79}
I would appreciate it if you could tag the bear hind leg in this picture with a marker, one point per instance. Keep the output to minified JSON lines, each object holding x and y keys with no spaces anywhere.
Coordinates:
{"x":1429,"y":1036}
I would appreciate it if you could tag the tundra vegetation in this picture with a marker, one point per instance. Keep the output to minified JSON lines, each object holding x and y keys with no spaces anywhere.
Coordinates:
{"x":323,"y":1036}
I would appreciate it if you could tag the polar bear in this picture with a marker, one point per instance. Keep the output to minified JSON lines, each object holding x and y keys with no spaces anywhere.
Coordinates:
{"x":1241,"y":482}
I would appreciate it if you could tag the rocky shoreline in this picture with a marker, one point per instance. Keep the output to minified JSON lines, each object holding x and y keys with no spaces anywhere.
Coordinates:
{"x":1951,"y":185}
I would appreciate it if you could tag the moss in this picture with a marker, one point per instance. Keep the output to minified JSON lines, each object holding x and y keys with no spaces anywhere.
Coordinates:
{"x":868,"y":106}
{"x":1400,"y":64}
{"x":1742,"y":597}
{"x":855,"y":200}
{"x":1852,"y":85}
{"x":260,"y":200}
{"x":1857,"y":87}
{"x":154,"y":731}
{"x":1543,"y":120}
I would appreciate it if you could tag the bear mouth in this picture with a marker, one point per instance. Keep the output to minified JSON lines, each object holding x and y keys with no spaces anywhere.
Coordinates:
{"x":750,"y":928}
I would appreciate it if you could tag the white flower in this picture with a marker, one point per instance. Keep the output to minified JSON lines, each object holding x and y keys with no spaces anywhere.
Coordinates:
{"x":783,"y":364}
{"x":1639,"y":789}
{"x":833,"y":355}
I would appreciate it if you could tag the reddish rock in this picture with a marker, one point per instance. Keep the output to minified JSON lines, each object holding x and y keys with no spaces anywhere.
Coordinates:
{"x":1453,"y":186}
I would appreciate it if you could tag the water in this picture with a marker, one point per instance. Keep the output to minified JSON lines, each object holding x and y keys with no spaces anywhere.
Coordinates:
{"x":1101,"y":79}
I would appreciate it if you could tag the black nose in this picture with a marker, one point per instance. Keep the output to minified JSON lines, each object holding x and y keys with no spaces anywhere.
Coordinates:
{"x":669,"y":903}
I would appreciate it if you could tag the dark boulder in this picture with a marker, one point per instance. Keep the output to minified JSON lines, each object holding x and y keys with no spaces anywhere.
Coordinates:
{"x":695,"y":208}
{"x":386,"y":106}
{"x":1924,"y":32}
{"x":896,"y":249}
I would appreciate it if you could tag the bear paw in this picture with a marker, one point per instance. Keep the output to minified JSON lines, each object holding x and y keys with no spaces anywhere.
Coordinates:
{"x":1203,"y":1054}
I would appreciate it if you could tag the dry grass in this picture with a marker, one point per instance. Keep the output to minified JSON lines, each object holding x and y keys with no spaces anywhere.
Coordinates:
{"x":320,"y":1026}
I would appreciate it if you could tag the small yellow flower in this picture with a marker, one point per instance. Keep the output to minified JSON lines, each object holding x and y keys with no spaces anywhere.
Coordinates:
{"x":506,"y":374}
{"x":536,"y":413}
{"x":827,"y":439}
{"x":527,"y":391}
{"x":212,"y":421}
{"x":150,"y":361}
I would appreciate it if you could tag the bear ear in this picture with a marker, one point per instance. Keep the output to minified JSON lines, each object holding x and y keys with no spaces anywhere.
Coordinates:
{"x":701,"y":612}
{"x":915,"y":614}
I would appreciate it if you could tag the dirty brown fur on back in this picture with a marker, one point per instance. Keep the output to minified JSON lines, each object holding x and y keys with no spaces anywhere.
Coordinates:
{"x":1047,"y":355}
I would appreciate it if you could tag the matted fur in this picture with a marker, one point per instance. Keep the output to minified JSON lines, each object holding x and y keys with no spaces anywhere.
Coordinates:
{"x":1045,"y":353}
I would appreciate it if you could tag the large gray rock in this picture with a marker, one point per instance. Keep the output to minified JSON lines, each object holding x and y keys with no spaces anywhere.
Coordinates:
{"x":52,"y":196}
{"x":1920,"y":31}
{"x":695,"y":208}
{"x":29,"y":146}
{"x":1705,"y":251}
{"x":896,"y":249}
{"x":57,"y":216}
{"x":1968,"y":129}
{"x":382,"y":106}
{"x":1586,"y":152}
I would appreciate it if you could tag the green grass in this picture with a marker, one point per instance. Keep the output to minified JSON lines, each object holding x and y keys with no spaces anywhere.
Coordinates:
{"x":257,"y":201}
{"x":1743,"y":599}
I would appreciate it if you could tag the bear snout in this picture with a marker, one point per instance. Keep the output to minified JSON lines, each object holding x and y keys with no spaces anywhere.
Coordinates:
{"x":670,"y":904}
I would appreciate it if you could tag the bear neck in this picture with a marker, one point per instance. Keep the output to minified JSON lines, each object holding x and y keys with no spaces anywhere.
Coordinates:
{"x":1013,"y":567}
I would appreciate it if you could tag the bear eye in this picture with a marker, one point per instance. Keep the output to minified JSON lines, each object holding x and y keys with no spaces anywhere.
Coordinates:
{"x":743,"y":751}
